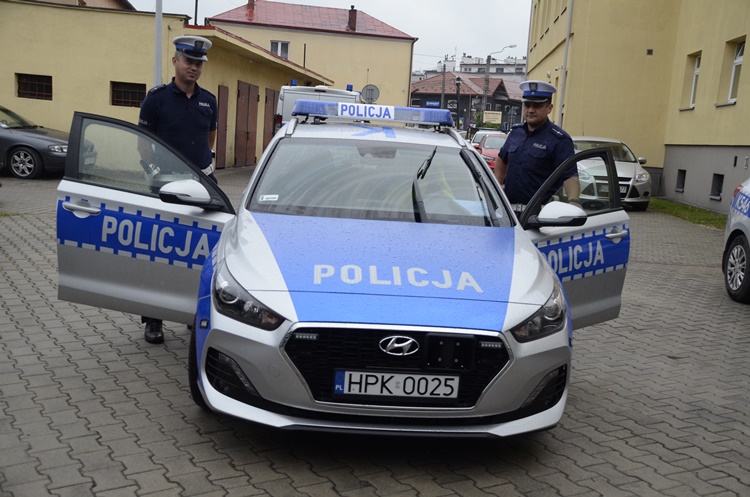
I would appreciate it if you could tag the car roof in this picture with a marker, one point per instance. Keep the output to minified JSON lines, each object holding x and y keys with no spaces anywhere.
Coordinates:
{"x":596,"y":139}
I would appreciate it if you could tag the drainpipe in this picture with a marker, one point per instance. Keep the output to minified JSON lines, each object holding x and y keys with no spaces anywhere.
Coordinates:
{"x":565,"y":66}
{"x":157,"y":45}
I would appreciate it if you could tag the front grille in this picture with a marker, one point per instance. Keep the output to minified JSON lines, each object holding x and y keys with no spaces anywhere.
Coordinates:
{"x":319,"y":352}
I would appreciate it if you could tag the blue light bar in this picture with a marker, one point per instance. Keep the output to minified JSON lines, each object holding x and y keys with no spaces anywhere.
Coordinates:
{"x":369,"y":112}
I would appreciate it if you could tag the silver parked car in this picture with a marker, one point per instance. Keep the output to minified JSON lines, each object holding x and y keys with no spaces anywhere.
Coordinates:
{"x":634,"y":181}
{"x":737,"y":247}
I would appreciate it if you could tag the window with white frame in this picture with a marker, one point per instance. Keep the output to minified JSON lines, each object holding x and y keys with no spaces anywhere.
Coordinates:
{"x":739,"y":52}
{"x":696,"y":72}
{"x":280,"y":48}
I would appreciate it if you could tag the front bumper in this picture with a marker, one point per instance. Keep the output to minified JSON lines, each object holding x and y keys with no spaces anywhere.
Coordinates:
{"x":264,"y":377}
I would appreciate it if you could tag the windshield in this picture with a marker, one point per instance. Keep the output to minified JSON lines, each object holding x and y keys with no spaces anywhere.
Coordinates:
{"x":9,"y":119}
{"x":493,"y":141}
{"x":374,"y":180}
{"x":620,"y":151}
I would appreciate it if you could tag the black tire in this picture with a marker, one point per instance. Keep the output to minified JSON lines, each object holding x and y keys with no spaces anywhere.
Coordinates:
{"x":737,"y":269}
{"x":25,"y":163}
{"x":639,"y":206}
{"x":195,"y":390}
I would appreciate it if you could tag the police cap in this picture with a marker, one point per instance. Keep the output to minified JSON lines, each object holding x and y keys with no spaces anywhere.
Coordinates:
{"x":537,"y":91}
{"x":192,"y":47}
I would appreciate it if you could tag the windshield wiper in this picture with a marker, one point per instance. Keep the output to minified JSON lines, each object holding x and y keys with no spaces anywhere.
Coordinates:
{"x":416,"y":195}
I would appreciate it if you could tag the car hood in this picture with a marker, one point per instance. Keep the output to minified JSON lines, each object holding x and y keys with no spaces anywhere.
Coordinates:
{"x":492,"y":152}
{"x":326,"y":269}
{"x":52,"y":135}
{"x":596,"y":166}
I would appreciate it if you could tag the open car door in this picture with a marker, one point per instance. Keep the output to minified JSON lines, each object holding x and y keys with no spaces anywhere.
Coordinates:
{"x":120,"y":246}
{"x":590,"y":260}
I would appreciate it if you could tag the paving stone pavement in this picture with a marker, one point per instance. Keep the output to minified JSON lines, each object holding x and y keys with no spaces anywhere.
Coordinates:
{"x":659,"y":401}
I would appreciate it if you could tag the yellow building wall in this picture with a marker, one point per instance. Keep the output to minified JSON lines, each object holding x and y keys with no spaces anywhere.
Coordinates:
{"x":356,"y":60}
{"x":84,"y":50}
{"x":708,"y":27}
{"x":613,"y":87}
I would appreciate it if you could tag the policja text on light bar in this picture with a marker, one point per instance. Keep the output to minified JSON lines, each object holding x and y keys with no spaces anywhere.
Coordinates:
{"x":359,"y":112}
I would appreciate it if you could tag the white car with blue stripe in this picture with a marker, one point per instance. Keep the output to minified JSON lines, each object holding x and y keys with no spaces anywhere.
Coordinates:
{"x":736,"y":259}
{"x":373,"y":278}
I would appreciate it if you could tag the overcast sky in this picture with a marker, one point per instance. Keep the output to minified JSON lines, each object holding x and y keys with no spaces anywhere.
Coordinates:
{"x":444,"y":27}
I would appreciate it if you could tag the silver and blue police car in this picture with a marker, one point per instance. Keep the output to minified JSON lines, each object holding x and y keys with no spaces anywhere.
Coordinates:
{"x":373,"y":278}
{"x":736,"y":259}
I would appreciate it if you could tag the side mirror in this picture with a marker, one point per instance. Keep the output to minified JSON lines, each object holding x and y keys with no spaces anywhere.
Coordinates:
{"x":476,"y":145}
{"x":185,"y":192}
{"x":557,"y":214}
{"x":642,"y":160}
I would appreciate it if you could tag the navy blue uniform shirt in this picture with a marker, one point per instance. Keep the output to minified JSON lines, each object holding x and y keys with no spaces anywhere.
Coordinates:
{"x":182,"y":122}
{"x":532,"y":157}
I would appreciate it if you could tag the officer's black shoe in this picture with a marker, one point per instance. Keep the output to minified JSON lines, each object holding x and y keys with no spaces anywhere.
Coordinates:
{"x":154,"y":332}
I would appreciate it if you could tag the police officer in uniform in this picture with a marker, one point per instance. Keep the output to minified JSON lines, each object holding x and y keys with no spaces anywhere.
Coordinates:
{"x":534,"y":149}
{"x":185,"y":116}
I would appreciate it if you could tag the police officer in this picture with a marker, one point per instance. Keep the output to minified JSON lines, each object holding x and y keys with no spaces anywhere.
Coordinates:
{"x":534,"y":149}
{"x":185,"y":116}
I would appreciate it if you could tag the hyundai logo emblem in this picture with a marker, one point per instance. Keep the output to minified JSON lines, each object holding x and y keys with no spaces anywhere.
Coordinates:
{"x":399,"y":345}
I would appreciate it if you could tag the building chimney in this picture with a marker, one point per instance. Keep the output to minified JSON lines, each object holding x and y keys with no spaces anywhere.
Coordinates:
{"x":352,"y":19}
{"x":250,"y":10}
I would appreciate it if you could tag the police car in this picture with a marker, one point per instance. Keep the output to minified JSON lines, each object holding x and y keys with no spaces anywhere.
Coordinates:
{"x":373,"y":278}
{"x":735,"y":261}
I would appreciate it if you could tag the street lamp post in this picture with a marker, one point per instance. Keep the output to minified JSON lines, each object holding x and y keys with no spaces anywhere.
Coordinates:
{"x":458,"y":102}
{"x":487,"y":77}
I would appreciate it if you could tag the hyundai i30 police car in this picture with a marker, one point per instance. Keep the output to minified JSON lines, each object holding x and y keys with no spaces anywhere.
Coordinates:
{"x":736,"y":260}
{"x":372,"y":279}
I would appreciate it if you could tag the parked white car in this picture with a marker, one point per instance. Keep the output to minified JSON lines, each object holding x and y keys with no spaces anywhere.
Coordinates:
{"x":634,"y":181}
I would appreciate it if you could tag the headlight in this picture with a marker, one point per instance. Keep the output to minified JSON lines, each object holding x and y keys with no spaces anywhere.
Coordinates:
{"x":583,"y":175}
{"x":60,"y":149}
{"x":548,"y":320}
{"x":642,"y":177}
{"x":487,"y":158}
{"x":234,"y":301}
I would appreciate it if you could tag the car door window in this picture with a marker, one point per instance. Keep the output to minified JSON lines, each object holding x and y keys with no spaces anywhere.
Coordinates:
{"x":110,"y":157}
{"x":595,"y":195}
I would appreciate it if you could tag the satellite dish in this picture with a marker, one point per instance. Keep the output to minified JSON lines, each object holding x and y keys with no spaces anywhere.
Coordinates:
{"x":370,"y":94}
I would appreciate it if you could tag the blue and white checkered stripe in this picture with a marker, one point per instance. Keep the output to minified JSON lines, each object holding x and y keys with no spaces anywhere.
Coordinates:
{"x":586,"y":254}
{"x":139,"y":233}
{"x":741,"y":203}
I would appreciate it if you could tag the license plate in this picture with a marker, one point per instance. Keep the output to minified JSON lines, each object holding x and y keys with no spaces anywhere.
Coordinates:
{"x":605,"y":189}
{"x":395,"y":385}
{"x":87,"y":161}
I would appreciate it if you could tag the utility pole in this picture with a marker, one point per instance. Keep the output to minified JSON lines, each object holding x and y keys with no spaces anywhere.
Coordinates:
{"x":442,"y":93}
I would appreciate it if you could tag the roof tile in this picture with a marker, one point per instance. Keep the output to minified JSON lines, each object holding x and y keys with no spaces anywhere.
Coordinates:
{"x":295,"y":16}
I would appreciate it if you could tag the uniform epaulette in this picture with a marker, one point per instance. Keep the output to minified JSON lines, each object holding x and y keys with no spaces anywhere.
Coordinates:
{"x":558,"y":131}
{"x":156,"y":89}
